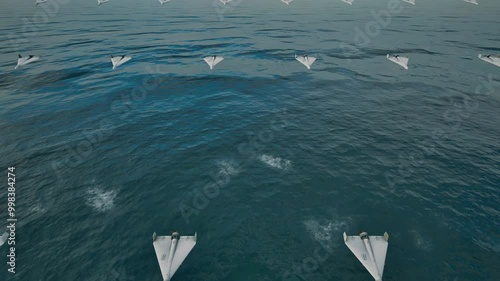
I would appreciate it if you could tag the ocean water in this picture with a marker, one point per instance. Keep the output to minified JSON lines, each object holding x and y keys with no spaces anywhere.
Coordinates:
{"x":267,"y":161}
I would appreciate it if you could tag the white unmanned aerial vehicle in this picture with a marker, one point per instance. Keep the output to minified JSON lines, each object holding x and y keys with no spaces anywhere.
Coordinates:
{"x":370,"y":251}
{"x":171,"y":252}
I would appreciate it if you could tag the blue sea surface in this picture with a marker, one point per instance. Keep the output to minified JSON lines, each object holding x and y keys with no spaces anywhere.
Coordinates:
{"x":267,"y":161}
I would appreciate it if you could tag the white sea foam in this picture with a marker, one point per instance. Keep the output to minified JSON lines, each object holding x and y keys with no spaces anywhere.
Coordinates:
{"x":275,"y":162}
{"x":325,"y":233}
{"x":225,"y":170}
{"x":228,"y":168}
{"x":37,"y":209}
{"x":100,"y":199}
{"x":3,"y":238}
{"x":419,"y":241}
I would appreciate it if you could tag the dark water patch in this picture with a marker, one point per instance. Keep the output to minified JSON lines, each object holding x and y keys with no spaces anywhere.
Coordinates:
{"x":493,"y":49}
{"x":78,"y":42}
{"x":49,"y":79}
